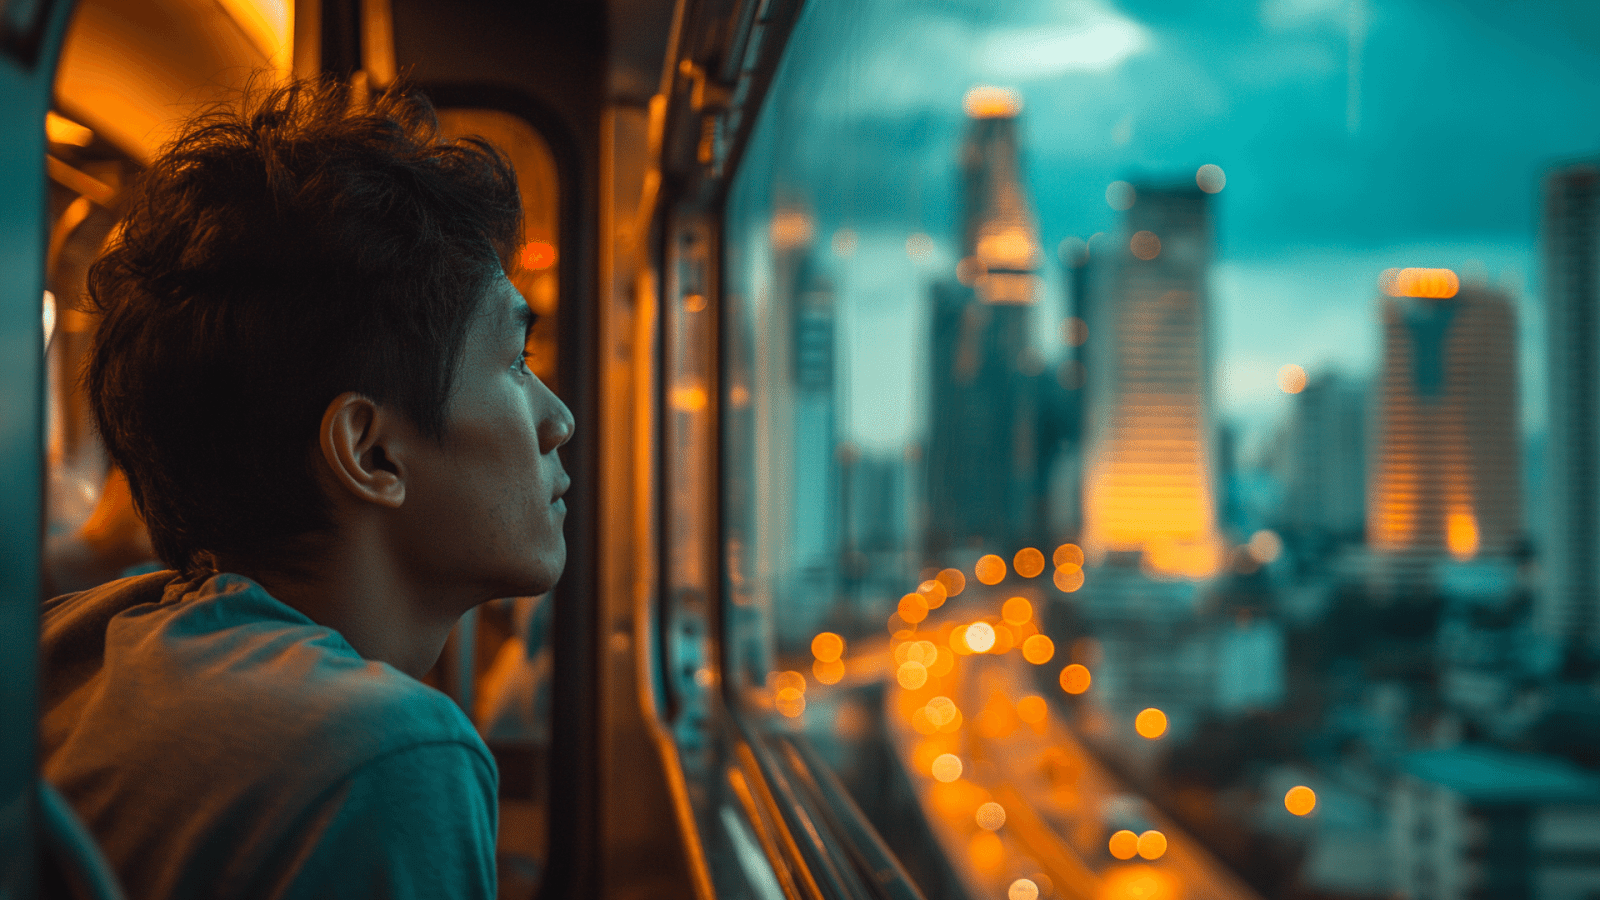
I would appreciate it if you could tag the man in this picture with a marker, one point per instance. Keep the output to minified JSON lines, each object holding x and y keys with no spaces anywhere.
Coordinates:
{"x":311,"y":367}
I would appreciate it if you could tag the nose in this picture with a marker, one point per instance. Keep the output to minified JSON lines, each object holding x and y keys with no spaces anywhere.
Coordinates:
{"x":556,"y":424}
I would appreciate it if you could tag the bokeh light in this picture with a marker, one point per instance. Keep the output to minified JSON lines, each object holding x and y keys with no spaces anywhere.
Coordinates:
{"x":1265,"y":545}
{"x":1121,"y":196}
{"x":954,"y":582}
{"x":987,"y":851}
{"x":1032,"y":709}
{"x":1075,"y":679}
{"x":790,"y":702}
{"x":919,"y":247}
{"x":1038,"y":649}
{"x":947,"y":767}
{"x":845,"y":242}
{"x":1068,"y":578}
{"x":911,"y":675}
{"x":1151,"y":723}
{"x":1022,"y":889}
{"x":990,"y":569}
{"x":1211,"y":178}
{"x":990,"y":816}
{"x":1300,"y":800}
{"x":1291,"y":379}
{"x":1028,"y":562}
{"x":827,"y":647}
{"x":1152,"y":844}
{"x":980,"y":637}
{"x":537,"y":255}
{"x":1124,"y":844}
{"x":1067,"y":553}
{"x":933,"y":593}
{"x":1016,"y":610}
{"x":1145,"y":245}
{"x":828,"y":672}
{"x":913,"y":608}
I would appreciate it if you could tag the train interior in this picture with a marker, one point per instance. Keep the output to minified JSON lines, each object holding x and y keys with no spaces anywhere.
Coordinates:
{"x":1029,"y":450}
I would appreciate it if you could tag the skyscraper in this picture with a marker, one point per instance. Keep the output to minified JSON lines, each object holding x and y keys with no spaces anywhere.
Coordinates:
{"x":1567,"y":607}
{"x":1148,"y":484}
{"x":1324,"y":461}
{"x":987,"y":450}
{"x":1444,"y":479}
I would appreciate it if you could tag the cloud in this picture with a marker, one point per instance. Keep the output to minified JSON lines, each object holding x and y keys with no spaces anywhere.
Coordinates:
{"x":1100,"y":41}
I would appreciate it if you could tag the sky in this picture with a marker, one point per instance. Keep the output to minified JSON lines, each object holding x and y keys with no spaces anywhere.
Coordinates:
{"x":1356,"y":135}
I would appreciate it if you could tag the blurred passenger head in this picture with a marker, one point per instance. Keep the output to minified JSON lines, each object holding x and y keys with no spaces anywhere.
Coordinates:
{"x":280,"y":252}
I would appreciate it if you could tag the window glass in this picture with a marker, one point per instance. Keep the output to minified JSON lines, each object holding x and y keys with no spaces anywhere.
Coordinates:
{"x":1158,"y":440}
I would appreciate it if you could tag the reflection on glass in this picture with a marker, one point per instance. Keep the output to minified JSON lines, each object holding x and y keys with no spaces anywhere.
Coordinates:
{"x":1245,"y":424}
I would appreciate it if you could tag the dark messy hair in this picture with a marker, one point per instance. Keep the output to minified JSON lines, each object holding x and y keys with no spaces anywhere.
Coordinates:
{"x":282,"y":250}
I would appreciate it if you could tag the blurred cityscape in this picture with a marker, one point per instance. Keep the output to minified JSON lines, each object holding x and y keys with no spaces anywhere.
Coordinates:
{"x":1354,"y":614}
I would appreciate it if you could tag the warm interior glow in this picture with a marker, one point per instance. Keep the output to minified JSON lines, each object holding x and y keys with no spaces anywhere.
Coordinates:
{"x":1038,"y":649}
{"x":1300,"y":800}
{"x":1140,"y":882}
{"x":1152,"y":844}
{"x":1438,"y":284}
{"x":690,"y":399}
{"x":827,"y":646}
{"x":990,"y":569}
{"x":1028,"y":562}
{"x":1151,"y":723}
{"x":62,"y":130}
{"x":1075,"y":679}
{"x":1124,"y":844}
{"x":988,"y":102}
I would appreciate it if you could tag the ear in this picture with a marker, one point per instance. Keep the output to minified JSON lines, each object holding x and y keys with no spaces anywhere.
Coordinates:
{"x":358,"y":441}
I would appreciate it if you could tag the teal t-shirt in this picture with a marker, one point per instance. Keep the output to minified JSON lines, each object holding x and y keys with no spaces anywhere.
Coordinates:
{"x":218,"y":743}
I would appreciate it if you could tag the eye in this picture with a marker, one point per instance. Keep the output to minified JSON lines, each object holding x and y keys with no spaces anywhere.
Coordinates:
{"x":522,"y":362}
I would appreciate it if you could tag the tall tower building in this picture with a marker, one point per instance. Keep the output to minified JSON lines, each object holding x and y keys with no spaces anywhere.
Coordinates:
{"x":1444,"y":478}
{"x":1570,"y":601}
{"x":1148,"y":483}
{"x":986,"y":451}
{"x":1324,"y":461}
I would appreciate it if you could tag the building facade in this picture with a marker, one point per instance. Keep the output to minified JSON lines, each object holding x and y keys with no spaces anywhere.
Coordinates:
{"x":1444,"y":484}
{"x":1148,"y":476}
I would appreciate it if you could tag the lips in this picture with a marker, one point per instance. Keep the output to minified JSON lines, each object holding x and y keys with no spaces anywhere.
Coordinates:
{"x":561,"y":488}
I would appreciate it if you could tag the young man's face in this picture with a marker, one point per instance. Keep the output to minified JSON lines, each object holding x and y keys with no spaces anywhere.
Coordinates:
{"x":485,"y":508}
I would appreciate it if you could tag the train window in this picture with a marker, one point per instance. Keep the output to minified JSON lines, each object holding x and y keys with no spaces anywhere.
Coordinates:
{"x":1137,"y":429}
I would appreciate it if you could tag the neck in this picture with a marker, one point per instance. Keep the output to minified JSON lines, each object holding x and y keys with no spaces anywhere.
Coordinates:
{"x":359,"y":589}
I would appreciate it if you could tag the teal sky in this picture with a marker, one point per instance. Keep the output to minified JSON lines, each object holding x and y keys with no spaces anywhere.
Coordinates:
{"x":1355,"y":134}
